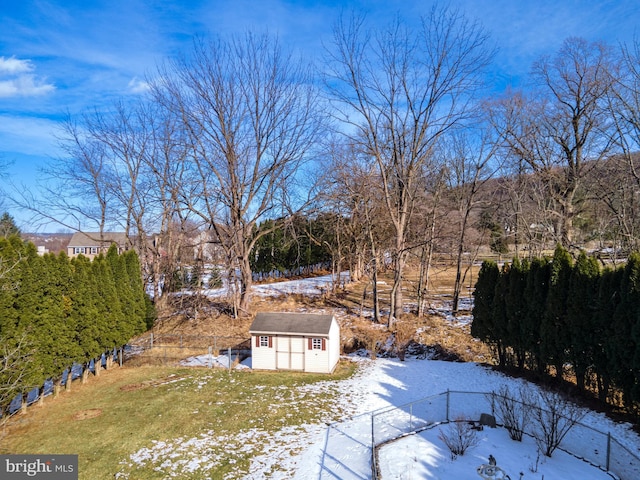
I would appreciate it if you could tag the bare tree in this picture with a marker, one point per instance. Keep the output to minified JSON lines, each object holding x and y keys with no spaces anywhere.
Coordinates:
{"x":399,"y":90}
{"x":75,"y":191}
{"x":553,"y":419}
{"x":251,"y":115}
{"x":514,"y":409}
{"x":15,"y":358}
{"x":624,"y":109}
{"x":459,"y":437}
{"x":470,"y":166}
{"x":564,"y":131}
{"x":353,"y":191}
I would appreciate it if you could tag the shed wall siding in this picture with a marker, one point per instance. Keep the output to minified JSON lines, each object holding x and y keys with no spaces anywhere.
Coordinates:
{"x":262,"y":358}
{"x":334,"y":345}
{"x":317,"y":361}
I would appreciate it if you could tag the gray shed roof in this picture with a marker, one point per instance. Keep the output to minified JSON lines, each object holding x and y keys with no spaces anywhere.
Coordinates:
{"x":291,"y":323}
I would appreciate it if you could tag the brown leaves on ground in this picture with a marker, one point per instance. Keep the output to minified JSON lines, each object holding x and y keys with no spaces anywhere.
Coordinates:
{"x":197,"y":315}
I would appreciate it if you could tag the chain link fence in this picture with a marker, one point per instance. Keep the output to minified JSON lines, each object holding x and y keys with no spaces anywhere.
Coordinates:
{"x":350,"y":445}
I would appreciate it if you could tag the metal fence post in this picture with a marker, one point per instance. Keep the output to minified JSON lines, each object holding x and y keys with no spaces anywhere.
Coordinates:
{"x":608,"y":450}
{"x":447,"y":405}
{"x":374,"y":467}
{"x":411,"y":417}
{"x":151,"y":341}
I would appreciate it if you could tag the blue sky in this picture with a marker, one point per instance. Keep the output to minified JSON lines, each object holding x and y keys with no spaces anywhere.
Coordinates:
{"x":59,"y":56}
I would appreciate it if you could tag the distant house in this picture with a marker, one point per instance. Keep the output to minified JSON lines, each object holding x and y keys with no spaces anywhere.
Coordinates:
{"x":91,"y":244}
{"x":295,"y":341}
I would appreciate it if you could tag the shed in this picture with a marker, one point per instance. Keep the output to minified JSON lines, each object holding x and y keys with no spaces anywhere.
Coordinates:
{"x":295,"y":341}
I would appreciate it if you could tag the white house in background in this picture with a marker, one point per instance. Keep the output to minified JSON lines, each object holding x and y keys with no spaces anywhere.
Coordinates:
{"x":295,"y":341}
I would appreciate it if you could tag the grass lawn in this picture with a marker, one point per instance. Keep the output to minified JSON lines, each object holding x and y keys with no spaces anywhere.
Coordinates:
{"x":192,"y":413}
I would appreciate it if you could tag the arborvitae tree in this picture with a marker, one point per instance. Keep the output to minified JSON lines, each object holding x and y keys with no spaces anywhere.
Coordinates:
{"x":60,"y":283}
{"x":483,"y":296}
{"x":554,"y":331}
{"x":195,"y":276}
{"x":270,"y":250}
{"x":581,"y":311}
{"x":500,"y":319}
{"x":138,"y":314}
{"x":622,"y":346}
{"x":535,"y":295}
{"x":85,"y":309}
{"x":11,"y":258}
{"x":131,"y":313}
{"x":603,"y":332}
{"x":516,"y":307}
{"x":41,"y":314}
{"x":109,"y":308}
{"x":16,"y":351}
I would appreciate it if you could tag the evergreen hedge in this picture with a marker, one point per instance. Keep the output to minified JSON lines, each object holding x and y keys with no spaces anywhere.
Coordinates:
{"x":62,"y":311}
{"x":558,"y":312}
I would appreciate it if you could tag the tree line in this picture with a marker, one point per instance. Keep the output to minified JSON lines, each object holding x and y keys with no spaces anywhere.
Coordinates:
{"x":56,"y":311}
{"x":299,"y":242}
{"x":563,"y":317}
{"x":395,"y":139}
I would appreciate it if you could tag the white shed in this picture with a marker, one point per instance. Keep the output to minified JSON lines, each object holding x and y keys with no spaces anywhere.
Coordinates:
{"x":295,"y":341}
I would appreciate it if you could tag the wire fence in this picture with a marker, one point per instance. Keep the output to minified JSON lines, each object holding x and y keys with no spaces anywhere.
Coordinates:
{"x":351,"y":445}
{"x":192,"y":350}
{"x":154,"y":349}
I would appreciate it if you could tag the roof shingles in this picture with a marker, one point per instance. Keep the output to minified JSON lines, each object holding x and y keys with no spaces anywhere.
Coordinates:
{"x":291,"y":323}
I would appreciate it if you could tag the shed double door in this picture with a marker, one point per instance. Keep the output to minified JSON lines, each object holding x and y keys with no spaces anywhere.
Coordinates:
{"x":289,"y":353}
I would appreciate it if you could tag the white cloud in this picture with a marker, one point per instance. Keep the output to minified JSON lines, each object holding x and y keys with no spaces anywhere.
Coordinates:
{"x":137,"y":86}
{"x":24,"y":86}
{"x":13,"y":66}
{"x":17,"y":81}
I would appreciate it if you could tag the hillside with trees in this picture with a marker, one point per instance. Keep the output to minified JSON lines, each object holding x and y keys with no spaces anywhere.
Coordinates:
{"x":388,"y":153}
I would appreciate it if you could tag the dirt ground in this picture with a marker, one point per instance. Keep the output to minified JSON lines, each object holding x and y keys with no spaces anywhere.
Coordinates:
{"x":352,"y":306}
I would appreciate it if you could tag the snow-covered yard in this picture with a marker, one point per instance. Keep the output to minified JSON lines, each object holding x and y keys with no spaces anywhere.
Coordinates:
{"x":343,"y":450}
{"x":386,"y":383}
{"x":385,"y":386}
